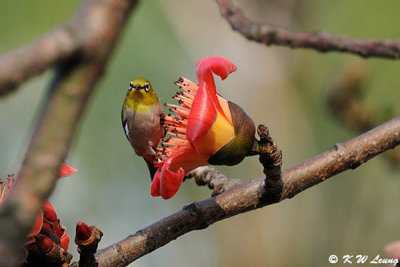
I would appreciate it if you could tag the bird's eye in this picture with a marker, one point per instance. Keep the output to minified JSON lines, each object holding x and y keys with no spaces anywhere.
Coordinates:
{"x":130,"y":86}
{"x":146,"y":87}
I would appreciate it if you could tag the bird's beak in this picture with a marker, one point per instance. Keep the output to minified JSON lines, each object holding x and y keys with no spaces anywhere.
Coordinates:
{"x":137,"y":86}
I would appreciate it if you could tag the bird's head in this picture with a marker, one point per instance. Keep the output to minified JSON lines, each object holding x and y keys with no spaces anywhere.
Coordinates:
{"x":141,"y":92}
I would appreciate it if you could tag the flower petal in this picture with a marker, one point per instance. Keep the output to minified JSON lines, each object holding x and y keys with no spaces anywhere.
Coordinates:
{"x":37,"y":225}
{"x":169,"y":177}
{"x":206,"y":67}
{"x":66,"y":170}
{"x":64,"y":241}
{"x":170,"y":181}
{"x":44,"y":243}
{"x":155,"y":185}
{"x":225,"y":108}
{"x":220,"y":134}
{"x":202,"y":114}
{"x":49,"y":212}
{"x":187,"y":159}
{"x":218,"y":65}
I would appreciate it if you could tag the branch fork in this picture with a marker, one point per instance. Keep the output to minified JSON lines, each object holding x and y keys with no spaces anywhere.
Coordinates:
{"x":271,"y":159}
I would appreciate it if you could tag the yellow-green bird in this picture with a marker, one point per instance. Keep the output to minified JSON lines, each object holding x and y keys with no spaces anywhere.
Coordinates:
{"x":142,"y":118}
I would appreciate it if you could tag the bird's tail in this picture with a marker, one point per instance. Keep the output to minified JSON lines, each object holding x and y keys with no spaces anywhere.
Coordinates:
{"x":152,"y":168}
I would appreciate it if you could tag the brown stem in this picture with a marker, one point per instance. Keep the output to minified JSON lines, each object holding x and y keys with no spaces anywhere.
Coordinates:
{"x":87,"y":248}
{"x":271,"y":159}
{"x":249,"y":195}
{"x":101,"y":22}
{"x":215,"y":180}
{"x":320,"y":41}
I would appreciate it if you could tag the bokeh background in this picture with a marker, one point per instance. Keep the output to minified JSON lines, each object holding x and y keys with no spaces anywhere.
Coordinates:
{"x":356,"y":212}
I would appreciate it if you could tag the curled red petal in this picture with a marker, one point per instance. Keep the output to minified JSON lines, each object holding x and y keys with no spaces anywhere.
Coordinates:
{"x":37,"y":226}
{"x":170,"y":179}
{"x":155,"y":185}
{"x":66,"y":170}
{"x":49,"y":212}
{"x":83,"y":231}
{"x":218,"y":65}
{"x":202,"y":114}
{"x":64,"y":241}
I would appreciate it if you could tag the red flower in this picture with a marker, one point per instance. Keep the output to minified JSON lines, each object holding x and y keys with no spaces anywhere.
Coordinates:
{"x":205,"y":129}
{"x":46,"y":222}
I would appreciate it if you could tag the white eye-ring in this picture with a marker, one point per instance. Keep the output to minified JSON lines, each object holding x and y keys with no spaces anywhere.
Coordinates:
{"x":130,"y":85}
{"x":146,"y":87}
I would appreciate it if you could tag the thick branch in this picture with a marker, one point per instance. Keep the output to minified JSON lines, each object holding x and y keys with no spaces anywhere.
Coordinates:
{"x":101,"y":22}
{"x":249,"y":195}
{"x":320,"y":41}
{"x":21,"y":64}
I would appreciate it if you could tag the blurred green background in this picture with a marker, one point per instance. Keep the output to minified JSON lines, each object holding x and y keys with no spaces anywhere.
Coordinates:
{"x":355,"y":212}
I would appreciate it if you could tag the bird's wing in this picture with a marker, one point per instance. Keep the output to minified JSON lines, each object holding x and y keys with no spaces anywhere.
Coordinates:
{"x":125,"y":125}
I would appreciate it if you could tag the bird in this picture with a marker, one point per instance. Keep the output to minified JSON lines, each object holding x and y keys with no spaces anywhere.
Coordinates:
{"x":142,"y":120}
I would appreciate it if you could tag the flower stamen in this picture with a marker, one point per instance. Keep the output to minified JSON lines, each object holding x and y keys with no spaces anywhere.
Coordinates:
{"x":175,"y":124}
{"x":180,"y":110}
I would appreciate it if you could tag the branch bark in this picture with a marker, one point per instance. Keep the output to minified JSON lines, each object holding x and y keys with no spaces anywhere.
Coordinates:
{"x":21,"y":64}
{"x":249,"y":195}
{"x":100,"y":22}
{"x":215,"y":180}
{"x":319,"y":40}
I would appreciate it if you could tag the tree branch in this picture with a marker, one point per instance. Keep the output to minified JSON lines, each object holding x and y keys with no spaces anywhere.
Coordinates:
{"x":21,"y":64}
{"x":345,"y":99}
{"x":249,"y":195}
{"x":320,"y":41}
{"x":215,"y":180}
{"x":101,"y":22}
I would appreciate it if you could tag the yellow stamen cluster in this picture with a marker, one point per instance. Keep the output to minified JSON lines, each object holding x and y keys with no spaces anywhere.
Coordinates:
{"x":176,"y":123}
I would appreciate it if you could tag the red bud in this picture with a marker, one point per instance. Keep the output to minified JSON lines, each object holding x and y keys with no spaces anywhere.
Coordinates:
{"x":83,"y":231}
{"x":44,"y":243}
{"x":66,"y":170}
{"x":64,"y":241}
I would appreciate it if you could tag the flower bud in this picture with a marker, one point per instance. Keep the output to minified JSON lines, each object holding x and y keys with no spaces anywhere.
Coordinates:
{"x":83,"y":231}
{"x":44,"y":243}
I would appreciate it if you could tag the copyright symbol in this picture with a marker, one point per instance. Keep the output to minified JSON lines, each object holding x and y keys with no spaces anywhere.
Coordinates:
{"x":333,"y":259}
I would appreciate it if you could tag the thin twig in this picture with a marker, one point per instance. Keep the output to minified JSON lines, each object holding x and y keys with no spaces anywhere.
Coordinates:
{"x":249,"y":195}
{"x":320,"y":41}
{"x":87,"y":248}
{"x":101,"y":21}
